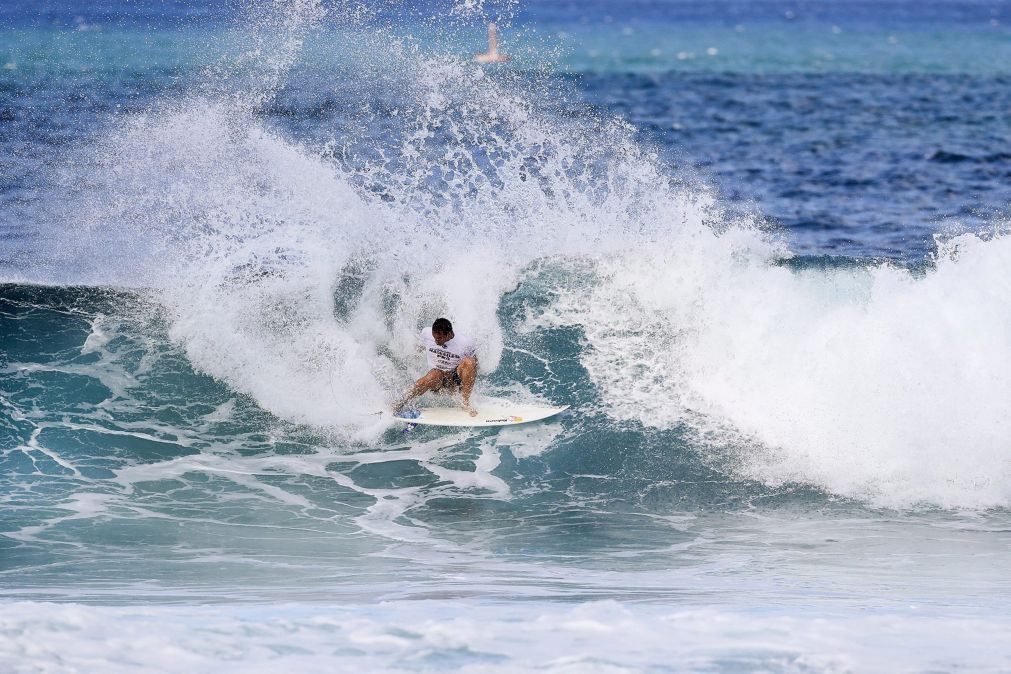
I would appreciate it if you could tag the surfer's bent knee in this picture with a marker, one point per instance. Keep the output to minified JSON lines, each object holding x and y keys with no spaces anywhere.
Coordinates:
{"x":468,"y":364}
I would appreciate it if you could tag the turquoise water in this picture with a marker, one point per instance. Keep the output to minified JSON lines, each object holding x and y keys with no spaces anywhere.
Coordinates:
{"x":784,"y":48}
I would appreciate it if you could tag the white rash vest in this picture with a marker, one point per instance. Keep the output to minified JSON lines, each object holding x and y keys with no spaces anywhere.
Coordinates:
{"x":449,"y":355}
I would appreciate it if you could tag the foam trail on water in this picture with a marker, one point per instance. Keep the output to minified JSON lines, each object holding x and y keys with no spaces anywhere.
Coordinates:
{"x":380,"y":637}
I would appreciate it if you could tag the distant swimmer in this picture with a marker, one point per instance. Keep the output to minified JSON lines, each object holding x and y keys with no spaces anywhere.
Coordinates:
{"x":492,"y":55}
{"x":453,"y":362}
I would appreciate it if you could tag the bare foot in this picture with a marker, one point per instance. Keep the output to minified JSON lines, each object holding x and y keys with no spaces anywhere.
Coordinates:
{"x":470,"y":410}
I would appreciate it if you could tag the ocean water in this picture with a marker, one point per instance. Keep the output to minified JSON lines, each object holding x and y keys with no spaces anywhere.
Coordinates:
{"x":760,"y":248}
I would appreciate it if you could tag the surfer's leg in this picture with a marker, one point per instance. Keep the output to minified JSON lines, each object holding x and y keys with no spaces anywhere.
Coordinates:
{"x":467,"y":372}
{"x":432,"y":381}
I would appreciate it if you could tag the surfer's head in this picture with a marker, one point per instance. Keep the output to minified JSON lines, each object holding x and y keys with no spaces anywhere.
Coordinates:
{"x":442,"y":331}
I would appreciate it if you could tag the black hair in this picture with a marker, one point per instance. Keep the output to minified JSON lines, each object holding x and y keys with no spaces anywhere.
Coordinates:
{"x":442,"y":326}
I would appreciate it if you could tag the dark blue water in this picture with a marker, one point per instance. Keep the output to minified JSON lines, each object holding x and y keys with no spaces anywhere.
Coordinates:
{"x":850,"y":164}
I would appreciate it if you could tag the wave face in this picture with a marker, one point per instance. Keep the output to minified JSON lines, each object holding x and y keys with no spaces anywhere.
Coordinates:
{"x":298,"y":275}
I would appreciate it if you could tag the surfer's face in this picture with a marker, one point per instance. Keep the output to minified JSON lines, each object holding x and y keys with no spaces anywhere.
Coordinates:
{"x":442,"y":337}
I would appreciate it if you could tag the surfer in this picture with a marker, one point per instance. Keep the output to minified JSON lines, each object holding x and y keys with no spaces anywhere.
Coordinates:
{"x":452,"y":360}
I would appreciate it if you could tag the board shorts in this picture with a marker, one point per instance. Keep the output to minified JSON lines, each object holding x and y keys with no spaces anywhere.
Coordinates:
{"x":450,"y":379}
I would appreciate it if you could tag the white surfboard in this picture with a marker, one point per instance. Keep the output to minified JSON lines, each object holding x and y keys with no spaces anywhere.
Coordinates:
{"x":490,"y":412}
